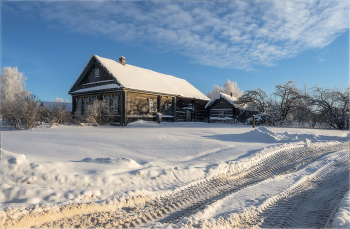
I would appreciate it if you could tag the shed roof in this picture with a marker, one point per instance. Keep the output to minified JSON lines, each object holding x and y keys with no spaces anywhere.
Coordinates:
{"x":224,"y":96}
{"x":137,"y":78}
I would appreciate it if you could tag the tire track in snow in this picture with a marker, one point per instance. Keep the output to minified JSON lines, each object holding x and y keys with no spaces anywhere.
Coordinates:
{"x":174,"y":207}
{"x":310,"y":203}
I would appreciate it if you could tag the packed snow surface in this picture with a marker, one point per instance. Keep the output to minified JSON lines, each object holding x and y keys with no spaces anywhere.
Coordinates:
{"x":342,"y":217}
{"x":71,"y":164}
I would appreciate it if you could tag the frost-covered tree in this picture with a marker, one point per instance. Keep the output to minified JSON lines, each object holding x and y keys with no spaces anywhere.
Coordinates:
{"x":228,"y":88}
{"x":12,"y":84}
{"x":18,"y":106}
{"x":256,"y":99}
{"x":13,"y":96}
{"x":59,"y":100}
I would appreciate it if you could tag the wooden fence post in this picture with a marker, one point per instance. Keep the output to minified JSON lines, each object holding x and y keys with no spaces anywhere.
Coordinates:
{"x":253,"y":123}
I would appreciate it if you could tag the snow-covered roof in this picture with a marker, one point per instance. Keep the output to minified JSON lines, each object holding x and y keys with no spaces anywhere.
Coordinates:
{"x":133,"y":77}
{"x":227,"y":97}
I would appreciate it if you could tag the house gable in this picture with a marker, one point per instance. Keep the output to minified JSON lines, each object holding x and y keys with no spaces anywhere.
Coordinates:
{"x":221,"y":104}
{"x":94,"y":75}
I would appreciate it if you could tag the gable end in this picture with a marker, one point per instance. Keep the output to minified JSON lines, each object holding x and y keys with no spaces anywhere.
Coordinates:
{"x":94,"y":74}
{"x":220,"y":103}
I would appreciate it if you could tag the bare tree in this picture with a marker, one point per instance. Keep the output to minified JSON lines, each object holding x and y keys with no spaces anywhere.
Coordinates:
{"x":256,"y":99}
{"x":288,"y":99}
{"x":30,"y":110}
{"x":333,"y":104}
{"x":228,"y":88}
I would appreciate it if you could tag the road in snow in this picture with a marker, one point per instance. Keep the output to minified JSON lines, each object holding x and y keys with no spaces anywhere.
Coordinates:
{"x":71,"y":164}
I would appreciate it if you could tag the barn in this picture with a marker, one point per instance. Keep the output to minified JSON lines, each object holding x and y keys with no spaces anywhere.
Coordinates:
{"x":222,"y":108}
{"x":132,"y":93}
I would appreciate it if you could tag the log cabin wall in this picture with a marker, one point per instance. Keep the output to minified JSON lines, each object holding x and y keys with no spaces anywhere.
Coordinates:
{"x":166,"y":108}
{"x":200,"y":113}
{"x":190,"y":110}
{"x":221,"y":110}
{"x":140,"y":106}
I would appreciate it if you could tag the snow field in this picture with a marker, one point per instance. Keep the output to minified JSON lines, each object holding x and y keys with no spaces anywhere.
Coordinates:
{"x":54,"y":168}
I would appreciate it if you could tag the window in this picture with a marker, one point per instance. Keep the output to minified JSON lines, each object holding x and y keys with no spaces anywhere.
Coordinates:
{"x":93,"y":99}
{"x":85,"y":104}
{"x":221,"y":114}
{"x":78,"y":103}
{"x":165,"y":106}
{"x":97,"y":72}
{"x":108,"y":104}
{"x":151,"y":105}
{"x":115,"y":104}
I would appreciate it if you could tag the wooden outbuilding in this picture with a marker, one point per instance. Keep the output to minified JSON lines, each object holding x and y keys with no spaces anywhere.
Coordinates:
{"x":133,"y":93}
{"x":222,"y":108}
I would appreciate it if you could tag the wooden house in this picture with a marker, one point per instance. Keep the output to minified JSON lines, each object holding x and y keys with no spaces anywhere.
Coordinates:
{"x":133,"y":93}
{"x":222,"y":108}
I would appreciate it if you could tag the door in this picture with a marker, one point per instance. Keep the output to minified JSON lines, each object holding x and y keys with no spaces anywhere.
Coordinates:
{"x":188,"y":115}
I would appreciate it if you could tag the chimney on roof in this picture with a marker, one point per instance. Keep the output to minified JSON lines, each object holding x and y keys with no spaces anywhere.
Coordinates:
{"x":231,"y":94}
{"x":122,"y":60}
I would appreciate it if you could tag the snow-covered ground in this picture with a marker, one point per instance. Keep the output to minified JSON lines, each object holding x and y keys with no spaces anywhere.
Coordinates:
{"x":71,"y":164}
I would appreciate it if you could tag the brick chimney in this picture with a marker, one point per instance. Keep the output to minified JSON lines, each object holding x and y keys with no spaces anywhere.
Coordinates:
{"x":122,"y":60}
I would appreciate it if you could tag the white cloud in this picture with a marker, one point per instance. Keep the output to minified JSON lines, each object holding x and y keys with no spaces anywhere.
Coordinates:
{"x":223,"y":34}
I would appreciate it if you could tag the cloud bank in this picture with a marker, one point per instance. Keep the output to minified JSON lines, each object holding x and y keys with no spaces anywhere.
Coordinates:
{"x":238,"y":34}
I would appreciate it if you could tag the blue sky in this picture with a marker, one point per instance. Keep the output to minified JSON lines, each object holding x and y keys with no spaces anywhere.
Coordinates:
{"x":254,"y":43}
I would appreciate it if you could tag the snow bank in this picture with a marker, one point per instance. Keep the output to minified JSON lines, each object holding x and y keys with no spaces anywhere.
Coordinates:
{"x":342,"y":217}
{"x":120,"y":162}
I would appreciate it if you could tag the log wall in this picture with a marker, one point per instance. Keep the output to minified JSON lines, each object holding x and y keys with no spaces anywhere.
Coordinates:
{"x":190,"y":110}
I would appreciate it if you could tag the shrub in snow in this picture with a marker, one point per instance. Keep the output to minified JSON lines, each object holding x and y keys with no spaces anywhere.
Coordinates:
{"x":94,"y":111}
{"x":332,"y":106}
{"x":228,"y":88}
{"x":59,"y":114}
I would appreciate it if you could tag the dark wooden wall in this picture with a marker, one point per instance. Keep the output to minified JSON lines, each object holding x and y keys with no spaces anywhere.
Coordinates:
{"x":236,"y":114}
{"x":133,"y":106}
{"x":103,"y":74}
{"x":138,"y":104}
{"x":221,"y":105}
{"x":194,"y":109}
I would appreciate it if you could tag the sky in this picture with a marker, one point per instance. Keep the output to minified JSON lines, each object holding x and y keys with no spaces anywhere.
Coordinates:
{"x":257,"y":44}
